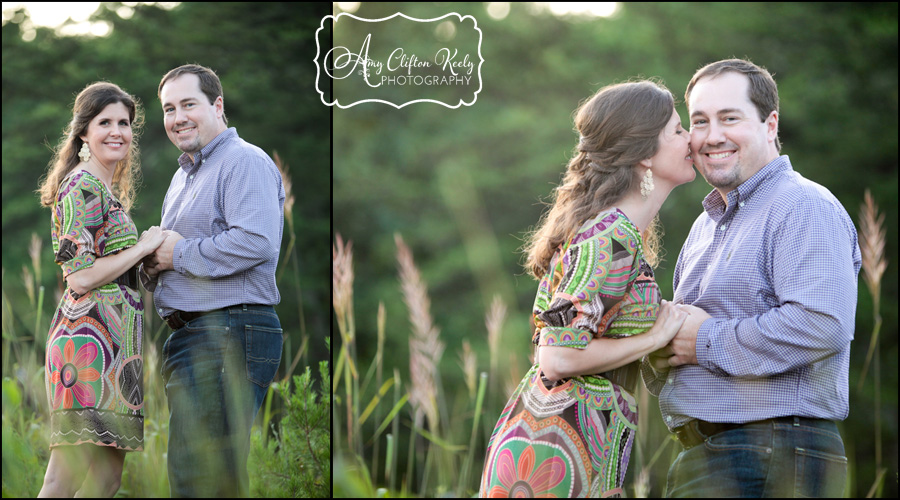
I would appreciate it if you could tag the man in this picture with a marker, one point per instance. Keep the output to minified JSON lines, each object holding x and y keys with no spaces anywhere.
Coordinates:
{"x":215,"y":287}
{"x":759,"y":370}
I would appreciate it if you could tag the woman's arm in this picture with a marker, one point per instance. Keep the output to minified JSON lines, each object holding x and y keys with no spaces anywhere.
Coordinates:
{"x":106,"y":269}
{"x":604,"y":354}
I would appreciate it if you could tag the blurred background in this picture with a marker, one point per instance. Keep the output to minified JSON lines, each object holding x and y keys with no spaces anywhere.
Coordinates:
{"x":462,"y":186}
{"x":263,"y":54}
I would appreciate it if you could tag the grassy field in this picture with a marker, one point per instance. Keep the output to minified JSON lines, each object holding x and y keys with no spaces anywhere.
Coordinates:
{"x":292,"y":458}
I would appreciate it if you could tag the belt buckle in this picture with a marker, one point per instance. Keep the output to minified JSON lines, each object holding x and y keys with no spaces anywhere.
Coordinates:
{"x":174,"y":321}
{"x":689,"y":435}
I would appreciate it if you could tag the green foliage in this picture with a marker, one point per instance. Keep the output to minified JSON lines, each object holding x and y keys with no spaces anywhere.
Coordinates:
{"x":23,"y":468}
{"x":298,"y":463}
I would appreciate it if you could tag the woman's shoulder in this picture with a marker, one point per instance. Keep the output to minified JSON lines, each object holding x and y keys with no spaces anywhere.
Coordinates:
{"x":81,"y":183}
{"x":609,"y":228}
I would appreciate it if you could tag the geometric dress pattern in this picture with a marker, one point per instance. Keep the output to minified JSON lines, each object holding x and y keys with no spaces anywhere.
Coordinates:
{"x":94,"y":363}
{"x":572,"y":438}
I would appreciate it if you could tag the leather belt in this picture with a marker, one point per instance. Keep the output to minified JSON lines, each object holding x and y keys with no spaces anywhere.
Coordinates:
{"x":178,"y":319}
{"x":696,"y":432}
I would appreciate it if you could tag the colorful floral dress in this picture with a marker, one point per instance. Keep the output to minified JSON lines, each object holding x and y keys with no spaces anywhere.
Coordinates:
{"x":573,"y":437}
{"x":94,"y":362}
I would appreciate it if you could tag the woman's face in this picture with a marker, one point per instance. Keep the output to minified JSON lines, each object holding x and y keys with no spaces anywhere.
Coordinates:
{"x":672,"y":163}
{"x":109,"y":134}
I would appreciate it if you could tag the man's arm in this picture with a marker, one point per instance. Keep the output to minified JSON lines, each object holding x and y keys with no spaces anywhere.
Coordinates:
{"x":815,"y":261}
{"x":253,"y":213}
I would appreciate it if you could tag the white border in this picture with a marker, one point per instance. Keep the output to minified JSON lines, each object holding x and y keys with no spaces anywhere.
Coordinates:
{"x":336,"y":103}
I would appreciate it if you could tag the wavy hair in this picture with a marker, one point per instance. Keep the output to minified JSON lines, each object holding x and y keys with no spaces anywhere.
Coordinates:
{"x":89,"y":103}
{"x":619,"y":127}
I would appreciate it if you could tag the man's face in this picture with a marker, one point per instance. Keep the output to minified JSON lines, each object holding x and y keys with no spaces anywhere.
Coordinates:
{"x":191,"y":121}
{"x":729,"y":142}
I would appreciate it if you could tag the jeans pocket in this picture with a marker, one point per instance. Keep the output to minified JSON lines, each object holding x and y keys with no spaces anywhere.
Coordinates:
{"x":819,"y":474}
{"x":263,"y":353}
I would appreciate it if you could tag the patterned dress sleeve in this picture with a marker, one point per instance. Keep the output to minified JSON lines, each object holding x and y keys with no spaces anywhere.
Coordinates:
{"x":78,"y":224}
{"x":584,"y":289}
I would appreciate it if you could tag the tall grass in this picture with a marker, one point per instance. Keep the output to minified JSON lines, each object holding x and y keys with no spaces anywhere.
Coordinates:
{"x":437,"y":464}
{"x":871,"y":242}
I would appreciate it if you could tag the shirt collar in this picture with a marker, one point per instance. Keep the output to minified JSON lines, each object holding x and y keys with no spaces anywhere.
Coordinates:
{"x":185,"y":160}
{"x":716,"y":207}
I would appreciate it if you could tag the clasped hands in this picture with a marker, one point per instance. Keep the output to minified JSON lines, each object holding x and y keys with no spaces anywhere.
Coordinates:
{"x":158,"y":246}
{"x":681,"y":348}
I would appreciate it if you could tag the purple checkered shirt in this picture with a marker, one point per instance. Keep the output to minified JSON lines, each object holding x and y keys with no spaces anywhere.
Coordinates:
{"x":228,"y":203}
{"x":776,"y":268}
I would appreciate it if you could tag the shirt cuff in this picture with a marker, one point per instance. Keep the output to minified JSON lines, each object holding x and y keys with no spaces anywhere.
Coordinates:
{"x":148,"y":282}
{"x":653,"y":380}
{"x":178,"y":255}
{"x":706,"y":335}
{"x":565,"y":337}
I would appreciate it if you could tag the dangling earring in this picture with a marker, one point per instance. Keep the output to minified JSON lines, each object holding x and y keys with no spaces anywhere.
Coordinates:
{"x":647,"y":184}
{"x":85,"y":153}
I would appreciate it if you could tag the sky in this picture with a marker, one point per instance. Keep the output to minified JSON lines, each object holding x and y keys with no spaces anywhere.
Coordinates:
{"x":55,"y":14}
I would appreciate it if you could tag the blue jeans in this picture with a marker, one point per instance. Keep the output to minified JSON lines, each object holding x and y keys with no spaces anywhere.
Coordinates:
{"x":217,"y":369}
{"x":782,"y":457}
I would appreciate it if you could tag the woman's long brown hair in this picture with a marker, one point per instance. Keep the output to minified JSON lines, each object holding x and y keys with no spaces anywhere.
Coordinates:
{"x":619,"y":127}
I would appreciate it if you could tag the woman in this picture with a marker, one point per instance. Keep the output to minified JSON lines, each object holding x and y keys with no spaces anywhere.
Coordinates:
{"x":94,"y":363}
{"x":568,"y":428}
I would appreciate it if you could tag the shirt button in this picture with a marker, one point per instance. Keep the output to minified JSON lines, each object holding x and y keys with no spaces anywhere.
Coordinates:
{"x":741,"y":204}
{"x":669,"y":419}
{"x":671,"y":380}
{"x":723,"y":227}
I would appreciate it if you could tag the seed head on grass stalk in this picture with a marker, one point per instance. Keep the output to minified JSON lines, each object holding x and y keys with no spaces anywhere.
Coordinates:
{"x":342,"y":300}
{"x":494,"y":323}
{"x":468,"y":362}
{"x":34,"y":251}
{"x":872,"y":236}
{"x":871,"y":245}
{"x":288,"y":192}
{"x":342,"y":285}
{"x":425,"y":348}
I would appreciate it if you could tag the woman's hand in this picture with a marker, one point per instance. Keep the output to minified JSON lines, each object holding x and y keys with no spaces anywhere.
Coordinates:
{"x":151,"y":239}
{"x":668,"y":321}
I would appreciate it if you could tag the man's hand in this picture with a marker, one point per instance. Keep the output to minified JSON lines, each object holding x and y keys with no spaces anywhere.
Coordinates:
{"x":161,"y":259}
{"x":150,"y":265}
{"x":659,"y":360}
{"x":683,"y":346}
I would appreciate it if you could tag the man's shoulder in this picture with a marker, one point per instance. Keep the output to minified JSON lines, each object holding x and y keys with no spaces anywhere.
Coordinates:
{"x":240,"y":152}
{"x":793,"y":192}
